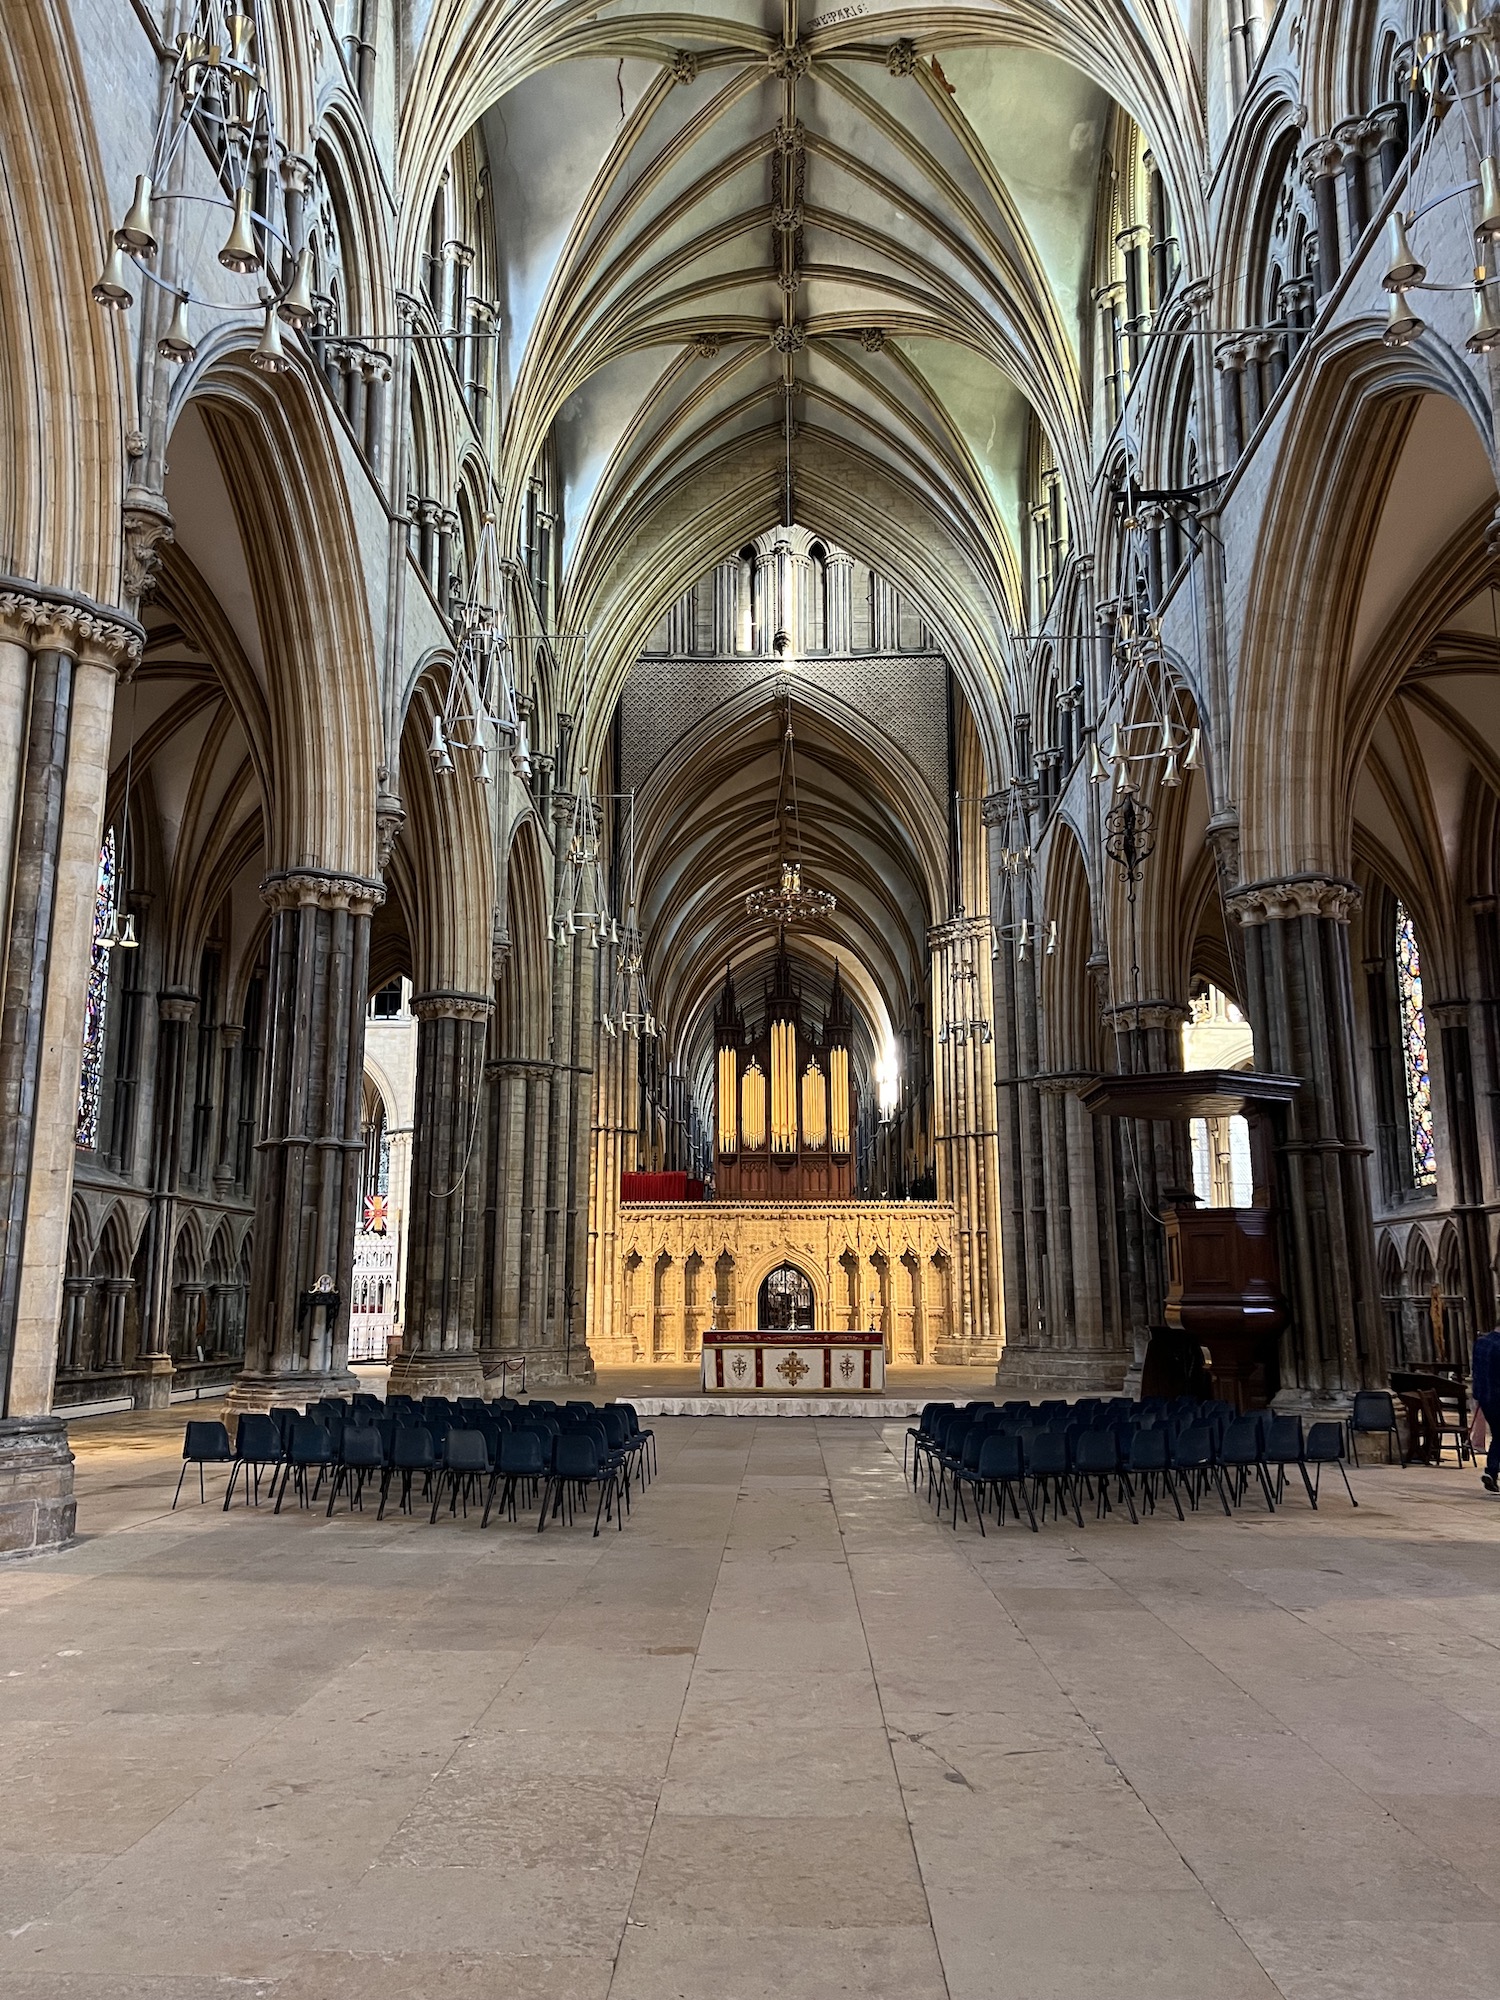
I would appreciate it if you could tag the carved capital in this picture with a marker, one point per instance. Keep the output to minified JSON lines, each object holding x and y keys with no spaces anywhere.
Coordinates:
{"x":1064,"y":1082}
{"x":1327,"y":896}
{"x":322,"y":889}
{"x":390,"y":817}
{"x":177,"y":1004}
{"x":146,"y":528}
{"x":60,"y":621}
{"x":1322,"y":158}
{"x":448,"y":1005}
{"x":1146,"y":1014}
{"x":500,"y":947}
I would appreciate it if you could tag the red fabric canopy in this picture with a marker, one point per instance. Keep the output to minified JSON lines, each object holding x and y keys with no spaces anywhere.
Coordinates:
{"x":659,"y":1187}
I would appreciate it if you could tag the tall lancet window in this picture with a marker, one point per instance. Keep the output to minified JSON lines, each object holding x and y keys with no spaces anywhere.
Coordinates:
{"x":96,"y":1000}
{"x":1414,"y":1051}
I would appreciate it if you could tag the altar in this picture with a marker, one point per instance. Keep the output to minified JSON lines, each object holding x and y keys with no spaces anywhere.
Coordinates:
{"x":797,"y":1361}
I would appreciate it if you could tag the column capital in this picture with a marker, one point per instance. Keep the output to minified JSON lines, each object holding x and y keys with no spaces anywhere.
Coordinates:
{"x":64,"y":621}
{"x":447,"y":1004}
{"x":1310,"y":895}
{"x":323,"y":889}
{"x":177,"y":1003}
{"x":1146,"y":1014}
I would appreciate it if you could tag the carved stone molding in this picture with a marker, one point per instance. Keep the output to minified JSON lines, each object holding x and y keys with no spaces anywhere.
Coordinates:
{"x":1297,"y":896}
{"x":872,"y":339}
{"x":146,"y":528}
{"x":500,"y":947}
{"x":684,"y":67}
{"x":1063,"y":1082}
{"x":446,"y":1005}
{"x":1146,"y":1014}
{"x":322,"y":889}
{"x":785,"y":63}
{"x":519,"y":1066}
{"x":706,"y":345}
{"x":390,"y":817}
{"x":177,"y":1004}
{"x":901,"y":57}
{"x":43,"y":620}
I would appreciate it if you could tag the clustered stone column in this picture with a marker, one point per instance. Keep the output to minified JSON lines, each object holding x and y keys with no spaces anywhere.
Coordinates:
{"x":60,"y":658}
{"x":515,"y":1289}
{"x":1300,"y":1002}
{"x":964,"y":1131}
{"x":440,"y":1339}
{"x":310,"y":1146}
{"x":153,"y":1370}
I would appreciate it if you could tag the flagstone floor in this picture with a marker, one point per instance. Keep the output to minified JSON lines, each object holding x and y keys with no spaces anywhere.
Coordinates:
{"x":783,"y":1736}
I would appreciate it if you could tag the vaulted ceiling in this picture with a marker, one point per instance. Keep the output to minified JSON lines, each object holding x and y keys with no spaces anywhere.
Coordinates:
{"x":869,"y":224}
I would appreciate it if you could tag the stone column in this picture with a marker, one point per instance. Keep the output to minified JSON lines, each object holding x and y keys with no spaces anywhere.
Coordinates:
{"x":60,"y":656}
{"x":1229,"y":359}
{"x":1461,"y":1116}
{"x":839,"y":637}
{"x":440,"y":1333}
{"x":152,"y":1374}
{"x":116,"y":1296}
{"x":1300,"y":1003}
{"x":726,"y":585}
{"x":226,"y":1167}
{"x":311,"y":1150}
{"x":964,"y":1132}
{"x":70,"y":1354}
{"x":515,"y":1313}
{"x":1321,"y":162}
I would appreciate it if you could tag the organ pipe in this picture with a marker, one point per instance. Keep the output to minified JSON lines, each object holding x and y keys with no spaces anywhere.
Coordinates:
{"x":838,"y":1090}
{"x":728,"y":1101}
{"x":753,"y":1107}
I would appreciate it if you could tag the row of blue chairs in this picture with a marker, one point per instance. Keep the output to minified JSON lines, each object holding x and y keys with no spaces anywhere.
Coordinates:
{"x":464,"y":1451}
{"x":1028,"y":1458}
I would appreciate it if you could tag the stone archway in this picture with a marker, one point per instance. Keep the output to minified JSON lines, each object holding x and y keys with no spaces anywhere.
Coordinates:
{"x":786,"y":1299}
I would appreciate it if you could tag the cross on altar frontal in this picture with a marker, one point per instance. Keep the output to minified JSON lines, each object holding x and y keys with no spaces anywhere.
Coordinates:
{"x":795,"y":1362}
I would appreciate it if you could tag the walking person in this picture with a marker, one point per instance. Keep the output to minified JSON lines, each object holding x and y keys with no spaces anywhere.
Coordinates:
{"x":1484,"y":1375}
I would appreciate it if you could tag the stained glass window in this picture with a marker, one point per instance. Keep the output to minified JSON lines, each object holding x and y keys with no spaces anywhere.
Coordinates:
{"x":96,"y":1000}
{"x":1414,"y":1051}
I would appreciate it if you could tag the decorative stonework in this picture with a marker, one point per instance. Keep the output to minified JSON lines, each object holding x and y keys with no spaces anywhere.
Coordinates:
{"x":1146,"y":1014}
{"x":706,"y":345}
{"x":901,"y":58}
{"x":684,"y":67}
{"x":390,"y":817}
{"x":322,"y":889}
{"x":146,"y":529}
{"x":689,"y":1267}
{"x":177,"y":1004}
{"x":786,"y":63}
{"x":1297,"y":896}
{"x":45,"y":621}
{"x":789,"y":339}
{"x":872,"y":339}
{"x":451,"y":1006}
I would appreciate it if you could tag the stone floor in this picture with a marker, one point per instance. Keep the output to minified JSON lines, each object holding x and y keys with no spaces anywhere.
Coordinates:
{"x":784,"y":1736}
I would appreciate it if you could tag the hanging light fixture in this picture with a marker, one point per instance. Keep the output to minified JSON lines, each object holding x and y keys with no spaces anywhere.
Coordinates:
{"x":479,"y":704}
{"x":1486,"y":334}
{"x":786,"y":901}
{"x":176,"y":344}
{"x":269,"y":356}
{"x":218,"y":86}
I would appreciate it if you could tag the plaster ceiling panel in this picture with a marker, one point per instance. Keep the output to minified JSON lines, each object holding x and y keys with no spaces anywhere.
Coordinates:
{"x":1373,"y":815}
{"x":1474,"y":700}
{"x":538,"y":185}
{"x":206,"y":531}
{"x":989,"y":412}
{"x":591,"y":424}
{"x":1441,"y":481}
{"x":1042,"y":123}
{"x":173,"y":771}
{"x":1447,"y":769}
{"x":1480,"y":615}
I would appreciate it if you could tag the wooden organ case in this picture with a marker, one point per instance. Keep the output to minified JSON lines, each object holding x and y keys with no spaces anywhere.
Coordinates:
{"x":785,"y":1104}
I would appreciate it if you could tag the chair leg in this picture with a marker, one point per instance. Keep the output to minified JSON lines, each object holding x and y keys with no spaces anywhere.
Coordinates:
{"x":1312,"y":1491}
{"x":180,"y":1477}
{"x":234,"y":1471}
{"x":1169,"y":1480}
{"x":1347,"y":1487}
{"x":541,"y":1521}
{"x":1353,"y":1440}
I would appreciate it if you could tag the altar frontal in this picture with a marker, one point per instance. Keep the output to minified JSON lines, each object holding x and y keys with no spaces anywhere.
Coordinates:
{"x":796,"y":1362}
